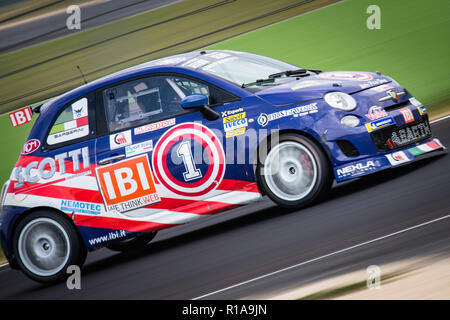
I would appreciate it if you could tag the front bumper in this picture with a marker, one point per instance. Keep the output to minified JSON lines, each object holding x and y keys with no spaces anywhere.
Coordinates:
{"x":398,"y":157}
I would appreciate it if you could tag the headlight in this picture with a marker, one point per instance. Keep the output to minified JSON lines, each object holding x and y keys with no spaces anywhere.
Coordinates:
{"x":350,"y":121}
{"x":340,"y":100}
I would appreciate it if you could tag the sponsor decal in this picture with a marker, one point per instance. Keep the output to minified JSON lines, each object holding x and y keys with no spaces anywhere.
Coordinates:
{"x":234,"y":122}
{"x":68,"y":135}
{"x":397,"y":158}
{"x":81,"y":207}
{"x":46,"y":168}
{"x":299,"y":111}
{"x":120,"y":140}
{"x":426,"y":147}
{"x":410,"y":134}
{"x":195,"y":63}
{"x":31,"y":146}
{"x":213,"y":65}
{"x":189,"y":160}
{"x":154,"y":126}
{"x":422,"y":110}
{"x":392,"y":95}
{"x":75,"y":127}
{"x":373,"y":83}
{"x":382,"y":88}
{"x":345,"y":75}
{"x":127,"y":185}
{"x":357,"y":169}
{"x":139,"y":148}
{"x":227,"y":113}
{"x":170,"y":61}
{"x":407,"y":115}
{"x":235,"y":133}
{"x":305,"y":84}
{"x":420,"y":107}
{"x":21,"y":116}
{"x":374,"y":125}
{"x":110,"y":236}
{"x":216,"y":55}
{"x":415,"y":102}
{"x":376,"y":112}
{"x":80,"y":109}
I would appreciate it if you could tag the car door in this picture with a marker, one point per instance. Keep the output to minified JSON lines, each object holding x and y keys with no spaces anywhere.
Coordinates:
{"x":69,"y":155}
{"x":180,"y":153}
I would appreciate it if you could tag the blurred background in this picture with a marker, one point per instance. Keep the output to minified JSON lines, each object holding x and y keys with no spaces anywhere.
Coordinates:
{"x":47,"y":47}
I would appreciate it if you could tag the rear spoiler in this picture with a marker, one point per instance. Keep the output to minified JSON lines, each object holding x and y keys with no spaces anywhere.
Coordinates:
{"x":37,"y":109}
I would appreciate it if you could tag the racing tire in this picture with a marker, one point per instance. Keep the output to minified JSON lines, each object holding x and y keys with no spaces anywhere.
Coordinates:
{"x":45,"y":245}
{"x":294,"y":172}
{"x":133,"y":244}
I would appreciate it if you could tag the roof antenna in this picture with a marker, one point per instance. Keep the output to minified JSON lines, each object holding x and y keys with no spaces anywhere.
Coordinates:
{"x":79,"y":69}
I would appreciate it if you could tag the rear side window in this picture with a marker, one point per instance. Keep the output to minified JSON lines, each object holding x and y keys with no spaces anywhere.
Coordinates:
{"x":71,"y":124}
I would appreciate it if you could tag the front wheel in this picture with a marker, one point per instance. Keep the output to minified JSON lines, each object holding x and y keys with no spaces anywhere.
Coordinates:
{"x":46,"y":244}
{"x":294,"y":172}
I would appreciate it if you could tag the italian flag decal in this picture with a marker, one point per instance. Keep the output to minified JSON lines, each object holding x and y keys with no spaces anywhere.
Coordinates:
{"x":69,"y":125}
{"x":426,"y":147}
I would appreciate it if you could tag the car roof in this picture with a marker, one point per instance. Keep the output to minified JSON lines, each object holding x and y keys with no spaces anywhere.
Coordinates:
{"x":167,"y":64}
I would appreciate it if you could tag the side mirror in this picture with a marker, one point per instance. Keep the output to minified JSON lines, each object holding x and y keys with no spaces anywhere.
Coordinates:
{"x":200,"y":101}
{"x":194,"y":101}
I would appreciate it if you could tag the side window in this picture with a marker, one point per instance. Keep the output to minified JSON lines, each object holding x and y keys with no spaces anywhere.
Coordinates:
{"x":150,"y":99}
{"x":190,"y":87}
{"x":71,"y":124}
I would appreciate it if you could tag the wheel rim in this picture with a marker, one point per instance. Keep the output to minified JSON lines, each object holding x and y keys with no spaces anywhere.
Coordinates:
{"x":290,"y":171}
{"x":44,"y":247}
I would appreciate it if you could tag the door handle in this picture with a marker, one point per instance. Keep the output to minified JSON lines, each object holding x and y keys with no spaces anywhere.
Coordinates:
{"x":110,"y":159}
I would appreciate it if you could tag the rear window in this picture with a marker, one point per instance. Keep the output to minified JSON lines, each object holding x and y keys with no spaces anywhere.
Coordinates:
{"x":71,"y":124}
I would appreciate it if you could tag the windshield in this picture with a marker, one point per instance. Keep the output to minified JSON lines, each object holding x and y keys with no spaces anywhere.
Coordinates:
{"x":246,"y":68}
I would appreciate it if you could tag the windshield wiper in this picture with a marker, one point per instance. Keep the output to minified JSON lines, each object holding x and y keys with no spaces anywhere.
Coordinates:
{"x":288,"y":73}
{"x":259,"y":81}
{"x":297,"y":72}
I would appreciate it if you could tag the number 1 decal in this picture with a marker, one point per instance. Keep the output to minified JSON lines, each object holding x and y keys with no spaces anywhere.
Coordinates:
{"x":198,"y":179}
{"x":184,"y":151}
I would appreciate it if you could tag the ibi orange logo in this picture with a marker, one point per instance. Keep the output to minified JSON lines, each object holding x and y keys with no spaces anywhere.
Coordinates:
{"x":127,"y":185}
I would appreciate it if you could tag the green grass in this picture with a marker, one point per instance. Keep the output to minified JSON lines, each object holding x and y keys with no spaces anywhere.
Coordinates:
{"x":192,"y":31}
{"x":412,"y":45}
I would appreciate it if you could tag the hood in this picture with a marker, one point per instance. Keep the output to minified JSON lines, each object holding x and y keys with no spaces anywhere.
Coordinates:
{"x":315,"y":87}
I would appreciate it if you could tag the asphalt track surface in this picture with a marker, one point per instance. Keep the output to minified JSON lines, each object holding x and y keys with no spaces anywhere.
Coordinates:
{"x":260,"y":249}
{"x":54,"y":26}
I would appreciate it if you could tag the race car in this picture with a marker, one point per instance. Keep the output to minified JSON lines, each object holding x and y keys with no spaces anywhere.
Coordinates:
{"x":184,"y":137}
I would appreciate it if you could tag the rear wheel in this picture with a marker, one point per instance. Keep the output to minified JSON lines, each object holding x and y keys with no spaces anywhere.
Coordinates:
{"x":137,"y":243}
{"x":294,"y":172}
{"x":45,"y":244}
